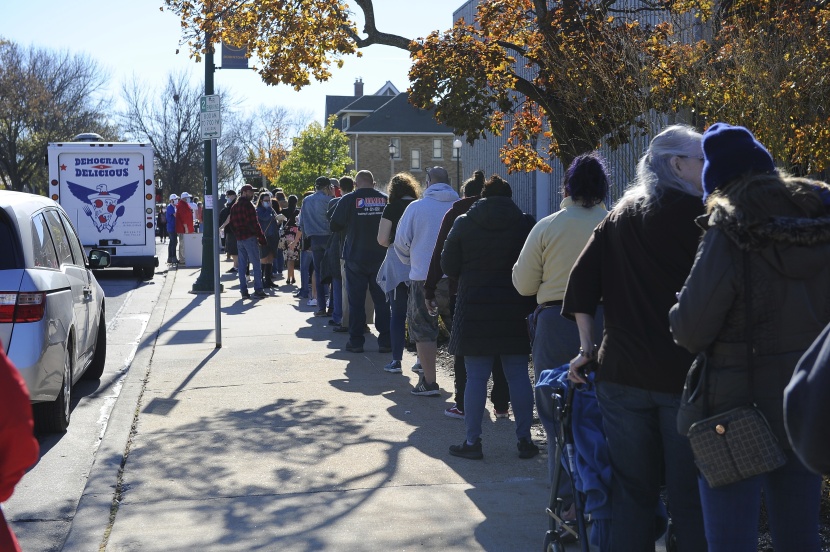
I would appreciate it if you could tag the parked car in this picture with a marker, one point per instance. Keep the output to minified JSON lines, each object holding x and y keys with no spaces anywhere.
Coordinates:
{"x":52,"y":322}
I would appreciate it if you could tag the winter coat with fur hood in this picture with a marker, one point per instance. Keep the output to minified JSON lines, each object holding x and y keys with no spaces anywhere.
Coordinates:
{"x":783,"y":232}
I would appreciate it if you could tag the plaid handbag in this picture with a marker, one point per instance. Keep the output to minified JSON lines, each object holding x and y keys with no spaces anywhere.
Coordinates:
{"x":739,"y":443}
{"x":735,"y":445}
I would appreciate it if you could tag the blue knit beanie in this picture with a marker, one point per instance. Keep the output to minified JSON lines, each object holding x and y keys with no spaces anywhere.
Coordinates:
{"x":729,"y":152}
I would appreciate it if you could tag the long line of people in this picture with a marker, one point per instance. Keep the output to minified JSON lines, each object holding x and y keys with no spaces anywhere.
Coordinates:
{"x":592,"y":286}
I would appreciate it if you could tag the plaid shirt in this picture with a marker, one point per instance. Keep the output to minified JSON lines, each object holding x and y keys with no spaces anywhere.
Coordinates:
{"x":244,"y":222}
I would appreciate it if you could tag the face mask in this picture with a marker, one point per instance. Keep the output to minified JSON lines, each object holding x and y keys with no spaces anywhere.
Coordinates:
{"x":266,"y":203}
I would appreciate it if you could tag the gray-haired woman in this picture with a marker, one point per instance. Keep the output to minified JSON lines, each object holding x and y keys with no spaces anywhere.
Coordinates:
{"x":636,"y":260}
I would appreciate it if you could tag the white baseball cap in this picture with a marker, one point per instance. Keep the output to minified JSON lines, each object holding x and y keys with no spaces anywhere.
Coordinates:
{"x":173,"y":196}
{"x":185,"y":194}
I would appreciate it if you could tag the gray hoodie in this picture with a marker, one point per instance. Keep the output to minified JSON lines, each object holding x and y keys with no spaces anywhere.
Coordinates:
{"x":418,"y":228}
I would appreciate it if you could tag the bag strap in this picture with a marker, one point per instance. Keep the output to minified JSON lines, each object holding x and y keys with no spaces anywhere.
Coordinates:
{"x":748,"y":316}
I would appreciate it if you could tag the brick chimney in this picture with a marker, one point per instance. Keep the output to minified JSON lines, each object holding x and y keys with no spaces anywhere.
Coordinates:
{"x":358,"y":87}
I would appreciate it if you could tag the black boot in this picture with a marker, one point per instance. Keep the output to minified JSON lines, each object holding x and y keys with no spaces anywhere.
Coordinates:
{"x":267,"y":281}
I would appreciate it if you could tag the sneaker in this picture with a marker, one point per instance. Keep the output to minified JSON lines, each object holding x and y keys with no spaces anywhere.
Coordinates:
{"x":501,"y":413}
{"x":470,"y":452}
{"x":384,"y":349}
{"x":526,"y":448}
{"x":425,"y":389}
{"x":333,"y":323}
{"x":353,"y":348}
{"x":311,"y":302}
{"x":394,"y":367}
{"x":246,"y":295}
{"x":260,"y":293}
{"x":320,"y":313}
{"x":231,"y":270}
{"x":417,"y":368}
{"x":454,"y":412}
{"x":341,"y":329}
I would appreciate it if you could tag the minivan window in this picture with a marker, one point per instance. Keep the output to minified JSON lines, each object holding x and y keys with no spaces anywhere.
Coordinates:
{"x":10,"y":254}
{"x":42,"y":248}
{"x":74,"y":243}
{"x":59,"y":237}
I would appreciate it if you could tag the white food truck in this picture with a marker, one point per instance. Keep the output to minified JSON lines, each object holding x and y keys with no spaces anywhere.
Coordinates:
{"x":108,"y":191}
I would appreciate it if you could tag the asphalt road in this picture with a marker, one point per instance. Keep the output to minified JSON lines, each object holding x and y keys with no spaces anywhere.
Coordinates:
{"x":45,"y":501}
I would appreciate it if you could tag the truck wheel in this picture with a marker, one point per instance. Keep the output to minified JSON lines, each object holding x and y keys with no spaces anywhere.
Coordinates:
{"x":99,"y":358}
{"x":148,"y":272}
{"x":53,"y":417}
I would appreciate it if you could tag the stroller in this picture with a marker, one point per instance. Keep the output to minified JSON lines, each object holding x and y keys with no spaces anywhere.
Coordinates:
{"x":581,"y":476}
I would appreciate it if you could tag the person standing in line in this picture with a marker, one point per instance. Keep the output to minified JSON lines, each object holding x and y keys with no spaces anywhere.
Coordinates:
{"x":290,"y":241}
{"x":414,"y":242}
{"x":490,"y":315}
{"x":338,"y":321}
{"x":170,"y":212}
{"x":270,"y":223}
{"x":161,"y":224}
{"x":358,"y":214}
{"x":546,"y":260}
{"x":306,"y":290}
{"x":771,"y":233}
{"x":634,"y":263}
{"x":184,"y":222}
{"x":403,"y":189}
{"x":231,"y":251}
{"x":314,"y":225}
{"x":248,"y":234}
{"x":500,"y":395}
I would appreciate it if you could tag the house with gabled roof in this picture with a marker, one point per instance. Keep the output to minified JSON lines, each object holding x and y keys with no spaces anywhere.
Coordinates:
{"x":385,"y":121}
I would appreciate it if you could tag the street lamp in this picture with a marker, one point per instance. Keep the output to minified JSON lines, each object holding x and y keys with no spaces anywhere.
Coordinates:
{"x":392,"y":151}
{"x":457,"y":146}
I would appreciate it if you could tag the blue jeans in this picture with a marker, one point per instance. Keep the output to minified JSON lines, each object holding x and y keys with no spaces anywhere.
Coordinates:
{"x":359,"y":278}
{"x":643,"y":443}
{"x":318,"y":251}
{"x":397,"y":322}
{"x":305,"y":266}
{"x":555,"y":343}
{"x":337,"y":300}
{"x":249,"y":253}
{"x":792,"y":495}
{"x":475,"y":396}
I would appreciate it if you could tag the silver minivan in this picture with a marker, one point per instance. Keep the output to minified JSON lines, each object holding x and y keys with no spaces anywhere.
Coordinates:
{"x":52,"y":323}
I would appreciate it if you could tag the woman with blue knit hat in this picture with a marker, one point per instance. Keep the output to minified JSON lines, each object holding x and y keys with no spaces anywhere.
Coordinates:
{"x":756,"y":298}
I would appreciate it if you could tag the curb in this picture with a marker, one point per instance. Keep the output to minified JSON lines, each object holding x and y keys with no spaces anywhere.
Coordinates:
{"x":96,"y":509}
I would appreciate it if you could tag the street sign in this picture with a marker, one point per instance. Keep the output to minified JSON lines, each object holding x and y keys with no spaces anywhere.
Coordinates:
{"x":209,"y":103}
{"x":249,"y":171}
{"x":210,"y":124}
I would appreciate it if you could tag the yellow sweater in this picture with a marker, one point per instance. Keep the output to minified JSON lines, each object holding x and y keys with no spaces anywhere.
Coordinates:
{"x":552,"y":248}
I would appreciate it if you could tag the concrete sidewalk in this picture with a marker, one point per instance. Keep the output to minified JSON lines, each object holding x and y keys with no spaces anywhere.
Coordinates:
{"x":281,"y":441}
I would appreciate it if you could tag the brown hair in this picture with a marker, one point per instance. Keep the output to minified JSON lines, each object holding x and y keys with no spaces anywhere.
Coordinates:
{"x":403,"y":184}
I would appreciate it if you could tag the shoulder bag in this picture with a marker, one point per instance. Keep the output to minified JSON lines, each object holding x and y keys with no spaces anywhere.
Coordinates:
{"x":737,"y":444}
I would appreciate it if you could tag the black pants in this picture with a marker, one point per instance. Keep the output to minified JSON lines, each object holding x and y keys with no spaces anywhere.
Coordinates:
{"x":171,"y":248}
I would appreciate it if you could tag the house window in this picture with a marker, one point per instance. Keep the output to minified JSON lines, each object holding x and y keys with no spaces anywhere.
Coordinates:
{"x":397,"y":143}
{"x":437,"y":148}
{"x":415,"y":157}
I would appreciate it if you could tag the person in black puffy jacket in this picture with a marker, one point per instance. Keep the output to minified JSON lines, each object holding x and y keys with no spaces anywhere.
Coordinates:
{"x":490,"y":315}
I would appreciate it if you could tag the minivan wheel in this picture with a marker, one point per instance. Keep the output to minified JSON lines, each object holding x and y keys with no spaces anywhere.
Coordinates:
{"x":53,"y":417}
{"x":99,"y":358}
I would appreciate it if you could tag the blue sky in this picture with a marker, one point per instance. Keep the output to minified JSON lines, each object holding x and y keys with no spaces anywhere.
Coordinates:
{"x":129,"y":37}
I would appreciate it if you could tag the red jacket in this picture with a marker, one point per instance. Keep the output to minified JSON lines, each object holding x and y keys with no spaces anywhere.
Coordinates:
{"x":18,"y":447}
{"x":184,"y":218}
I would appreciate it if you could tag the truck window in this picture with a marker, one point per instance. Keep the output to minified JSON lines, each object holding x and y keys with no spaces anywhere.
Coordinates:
{"x":59,"y":238}
{"x":42,"y":247}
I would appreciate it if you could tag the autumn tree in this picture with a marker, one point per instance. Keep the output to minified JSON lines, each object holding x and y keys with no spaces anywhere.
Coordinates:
{"x":317,"y":151}
{"x":266,"y":137}
{"x":45,"y":96}
{"x":765,"y":66}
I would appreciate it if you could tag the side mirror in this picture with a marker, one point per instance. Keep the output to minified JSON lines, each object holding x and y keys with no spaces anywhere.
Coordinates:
{"x":99,"y":259}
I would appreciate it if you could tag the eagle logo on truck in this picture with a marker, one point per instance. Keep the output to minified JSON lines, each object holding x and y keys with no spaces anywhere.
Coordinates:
{"x":103,"y":206}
